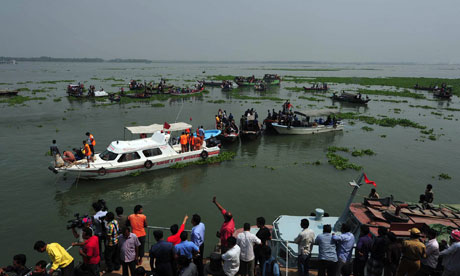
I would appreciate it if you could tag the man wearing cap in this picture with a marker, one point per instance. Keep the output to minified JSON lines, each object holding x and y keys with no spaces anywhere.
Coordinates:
{"x":451,"y":255}
{"x":412,"y":252}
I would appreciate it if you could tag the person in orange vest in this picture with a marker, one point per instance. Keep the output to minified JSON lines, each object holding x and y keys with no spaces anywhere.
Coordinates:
{"x":187,"y":131}
{"x":197,"y":142}
{"x":183,"y":142}
{"x":192,"y":142}
{"x":87,"y":151}
{"x":91,"y":142}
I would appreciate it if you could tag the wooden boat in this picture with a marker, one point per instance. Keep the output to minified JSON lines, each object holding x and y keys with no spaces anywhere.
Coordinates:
{"x":304,"y":126}
{"x":187,"y":92}
{"x":229,"y":135}
{"x":442,"y":94}
{"x":113,"y":97}
{"x":76,"y":90}
{"x":246,"y":81}
{"x":272,"y":79}
{"x":350,"y":98}
{"x":260,"y":87}
{"x":425,"y":88}
{"x":250,"y":130}
{"x":9,"y":92}
{"x":322,"y":88}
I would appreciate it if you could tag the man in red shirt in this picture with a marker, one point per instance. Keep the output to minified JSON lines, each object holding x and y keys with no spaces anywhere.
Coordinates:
{"x":90,"y":253}
{"x":176,"y":231}
{"x":227,"y":229}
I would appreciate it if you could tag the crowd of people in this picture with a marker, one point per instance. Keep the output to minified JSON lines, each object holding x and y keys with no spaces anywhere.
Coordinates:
{"x":289,"y":118}
{"x":249,"y":120}
{"x":190,"y":142}
{"x":225,"y":123}
{"x":68,"y":157}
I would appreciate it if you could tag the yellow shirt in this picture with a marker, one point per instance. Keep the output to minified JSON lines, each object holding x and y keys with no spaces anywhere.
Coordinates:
{"x":58,"y":255}
{"x":413,"y":250}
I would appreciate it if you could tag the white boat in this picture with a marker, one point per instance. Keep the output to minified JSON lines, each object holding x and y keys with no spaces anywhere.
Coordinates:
{"x":127,"y":157}
{"x":306,"y":127}
{"x":100,"y":93}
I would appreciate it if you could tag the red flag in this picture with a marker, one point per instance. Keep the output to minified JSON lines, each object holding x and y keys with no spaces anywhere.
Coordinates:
{"x":190,"y":118}
{"x":166,"y":125}
{"x":368,"y":181}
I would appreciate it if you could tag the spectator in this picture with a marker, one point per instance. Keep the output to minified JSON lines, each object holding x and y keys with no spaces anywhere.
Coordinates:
{"x":305,"y":241}
{"x":90,"y":254}
{"x":138,"y":221}
{"x":327,"y":252}
{"x":412,"y":252}
{"x":99,"y":227}
{"x":129,"y":248}
{"x":231,"y":258}
{"x":271,"y":266}
{"x":112,"y":260}
{"x":428,"y":264}
{"x":185,"y":266}
{"x":377,"y":260}
{"x":363,"y":247}
{"x":393,"y":255}
{"x":176,"y":231}
{"x":246,"y":241}
{"x":163,"y":254}
{"x":264,"y":235}
{"x":18,"y":267}
{"x":59,"y":257}
{"x":186,"y":248}
{"x":197,"y":237}
{"x":121,"y":219}
{"x":227,"y":229}
{"x":451,"y":255}
{"x":40,"y":269}
{"x":78,"y":232}
{"x":344,"y":243}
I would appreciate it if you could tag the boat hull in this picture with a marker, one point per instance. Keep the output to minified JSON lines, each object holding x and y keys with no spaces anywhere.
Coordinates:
{"x":282,"y":129}
{"x":250,"y":135}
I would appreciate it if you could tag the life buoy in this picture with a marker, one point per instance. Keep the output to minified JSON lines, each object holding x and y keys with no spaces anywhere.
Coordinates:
{"x":102,"y":171}
{"x":204,"y":154}
{"x":148,"y":164}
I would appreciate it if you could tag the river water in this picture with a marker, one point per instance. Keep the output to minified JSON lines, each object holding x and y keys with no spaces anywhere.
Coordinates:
{"x":268,"y":177}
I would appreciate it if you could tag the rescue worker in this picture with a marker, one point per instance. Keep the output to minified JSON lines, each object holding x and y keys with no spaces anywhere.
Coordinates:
{"x":183,"y":142}
{"x":412,"y":252}
{"x":197,"y":142}
{"x":91,"y":142}
{"x":192,"y":142}
{"x":87,"y":151}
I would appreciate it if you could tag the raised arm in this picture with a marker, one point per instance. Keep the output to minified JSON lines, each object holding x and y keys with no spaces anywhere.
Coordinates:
{"x":185,"y":219}
{"x":214,"y":200}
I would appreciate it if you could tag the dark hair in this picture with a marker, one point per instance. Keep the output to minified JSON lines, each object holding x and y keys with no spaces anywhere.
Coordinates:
{"x":119,"y":210}
{"x":345,"y":228}
{"x":183,"y":236}
{"x":20,"y":259}
{"x":87,"y":134}
{"x":158,"y":234}
{"x":304,"y":223}
{"x":123,"y":230}
{"x":327,"y":228}
{"x":137,"y":208}
{"x":364,"y":230}
{"x":174,"y":228}
{"x":41,"y":263}
{"x":429,"y":186}
{"x":84,"y":142}
{"x":373,"y":190}
{"x":246,"y":226}
{"x":228,"y":216}
{"x":140,"y":271}
{"x":87,"y":231}
{"x":97,"y":206}
{"x":39,"y":245}
{"x":267,"y":252}
{"x":231,"y":241}
{"x":54,"y":141}
{"x":110,"y":216}
{"x":183,"y":261}
{"x":432,"y":233}
{"x":196,"y":218}
{"x":391,"y":236}
{"x":382,"y":231}
{"x":260,"y":221}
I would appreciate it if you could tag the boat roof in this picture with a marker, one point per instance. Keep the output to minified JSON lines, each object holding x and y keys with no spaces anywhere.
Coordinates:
{"x":157,"y":127}
{"x":317,"y":112}
{"x":157,"y":139}
{"x":374,"y":212}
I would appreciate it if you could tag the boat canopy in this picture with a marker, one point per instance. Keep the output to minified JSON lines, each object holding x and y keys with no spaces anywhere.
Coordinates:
{"x":317,"y":112}
{"x":157,"y":127}
{"x":157,"y":139}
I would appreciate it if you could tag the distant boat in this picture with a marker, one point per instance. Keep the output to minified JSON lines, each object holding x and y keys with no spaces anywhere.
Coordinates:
{"x":9,"y":92}
{"x":350,"y":98}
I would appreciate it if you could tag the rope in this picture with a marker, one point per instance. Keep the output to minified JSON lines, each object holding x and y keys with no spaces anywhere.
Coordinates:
{"x":180,"y":110}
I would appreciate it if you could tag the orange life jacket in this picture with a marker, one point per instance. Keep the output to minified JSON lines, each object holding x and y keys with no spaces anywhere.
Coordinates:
{"x":183,"y":139}
{"x":91,"y":139}
{"x":87,"y":150}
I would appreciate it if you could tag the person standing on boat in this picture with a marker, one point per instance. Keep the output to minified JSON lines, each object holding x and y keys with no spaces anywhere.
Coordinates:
{"x":412,"y":252}
{"x":246,"y":241}
{"x":183,"y":142}
{"x":227,"y":229}
{"x":138,"y":221}
{"x":305,"y":241}
{"x":87,"y":151}
{"x":54,"y":149}
{"x":201,"y":131}
{"x":91,"y":142}
{"x":264,"y":235}
{"x":176,"y":231}
{"x":327,"y":252}
{"x":60,"y":258}
{"x":197,"y":237}
{"x":363,"y":247}
{"x":344,"y":243}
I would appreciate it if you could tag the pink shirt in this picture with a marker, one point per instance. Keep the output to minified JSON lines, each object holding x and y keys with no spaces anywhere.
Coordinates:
{"x":226,"y":230}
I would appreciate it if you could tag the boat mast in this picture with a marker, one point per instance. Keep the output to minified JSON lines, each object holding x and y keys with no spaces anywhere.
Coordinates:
{"x":344,"y":215}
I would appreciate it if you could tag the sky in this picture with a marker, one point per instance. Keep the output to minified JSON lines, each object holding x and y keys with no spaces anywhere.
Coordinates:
{"x":422,"y":31}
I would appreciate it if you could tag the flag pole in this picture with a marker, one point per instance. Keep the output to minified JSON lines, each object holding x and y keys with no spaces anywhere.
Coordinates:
{"x":344,"y":215}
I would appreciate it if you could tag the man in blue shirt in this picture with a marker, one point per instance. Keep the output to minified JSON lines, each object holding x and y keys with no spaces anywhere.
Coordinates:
{"x":163,"y":253}
{"x":271,"y":266}
{"x":327,"y":252}
{"x":201,"y":131}
{"x":344,"y":243}
{"x":186,"y":248}
{"x":197,"y":238}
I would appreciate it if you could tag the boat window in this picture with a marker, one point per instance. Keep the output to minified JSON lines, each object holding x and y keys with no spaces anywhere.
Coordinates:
{"x":152,"y":152}
{"x":108,"y":155}
{"x":129,"y":157}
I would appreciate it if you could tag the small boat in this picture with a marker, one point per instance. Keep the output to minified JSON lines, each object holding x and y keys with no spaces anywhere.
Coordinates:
{"x":230,"y":134}
{"x":443,"y":94}
{"x":9,"y":92}
{"x":316,"y":88}
{"x":99,"y":93}
{"x":425,"y":88}
{"x":246,"y":81}
{"x":114,"y":97}
{"x":304,"y":126}
{"x":250,"y":127}
{"x":134,"y":85}
{"x":76,"y":90}
{"x":138,"y":96}
{"x":184,"y":92}
{"x":210,"y":136}
{"x":213,"y":83}
{"x":272,"y":79}
{"x":350,"y":98}
{"x":261,"y":86}
{"x":123,"y":158}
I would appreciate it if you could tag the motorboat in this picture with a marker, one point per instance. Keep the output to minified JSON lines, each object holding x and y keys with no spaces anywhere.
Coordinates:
{"x":123,"y":158}
{"x":9,"y":92}
{"x":272,"y":79}
{"x":304,"y":126}
{"x":350,"y":98}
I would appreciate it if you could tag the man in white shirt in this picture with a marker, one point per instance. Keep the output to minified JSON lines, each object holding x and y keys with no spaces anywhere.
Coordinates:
{"x":246,"y":241}
{"x":432,"y":253}
{"x":231,"y":257}
{"x":305,"y":240}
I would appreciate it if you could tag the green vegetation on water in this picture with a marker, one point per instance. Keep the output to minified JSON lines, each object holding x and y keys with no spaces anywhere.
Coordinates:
{"x":405,"y":93}
{"x":57,"y":81}
{"x":341,"y":163}
{"x":393,"y":101}
{"x":384,"y":122}
{"x":223,"y":156}
{"x":294,"y":88}
{"x":444,"y":176}
{"x":216,"y":101}
{"x":19,"y":100}
{"x":313,"y":99}
{"x":222,"y":77}
{"x":366,"y":128}
{"x":363,"y":152}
